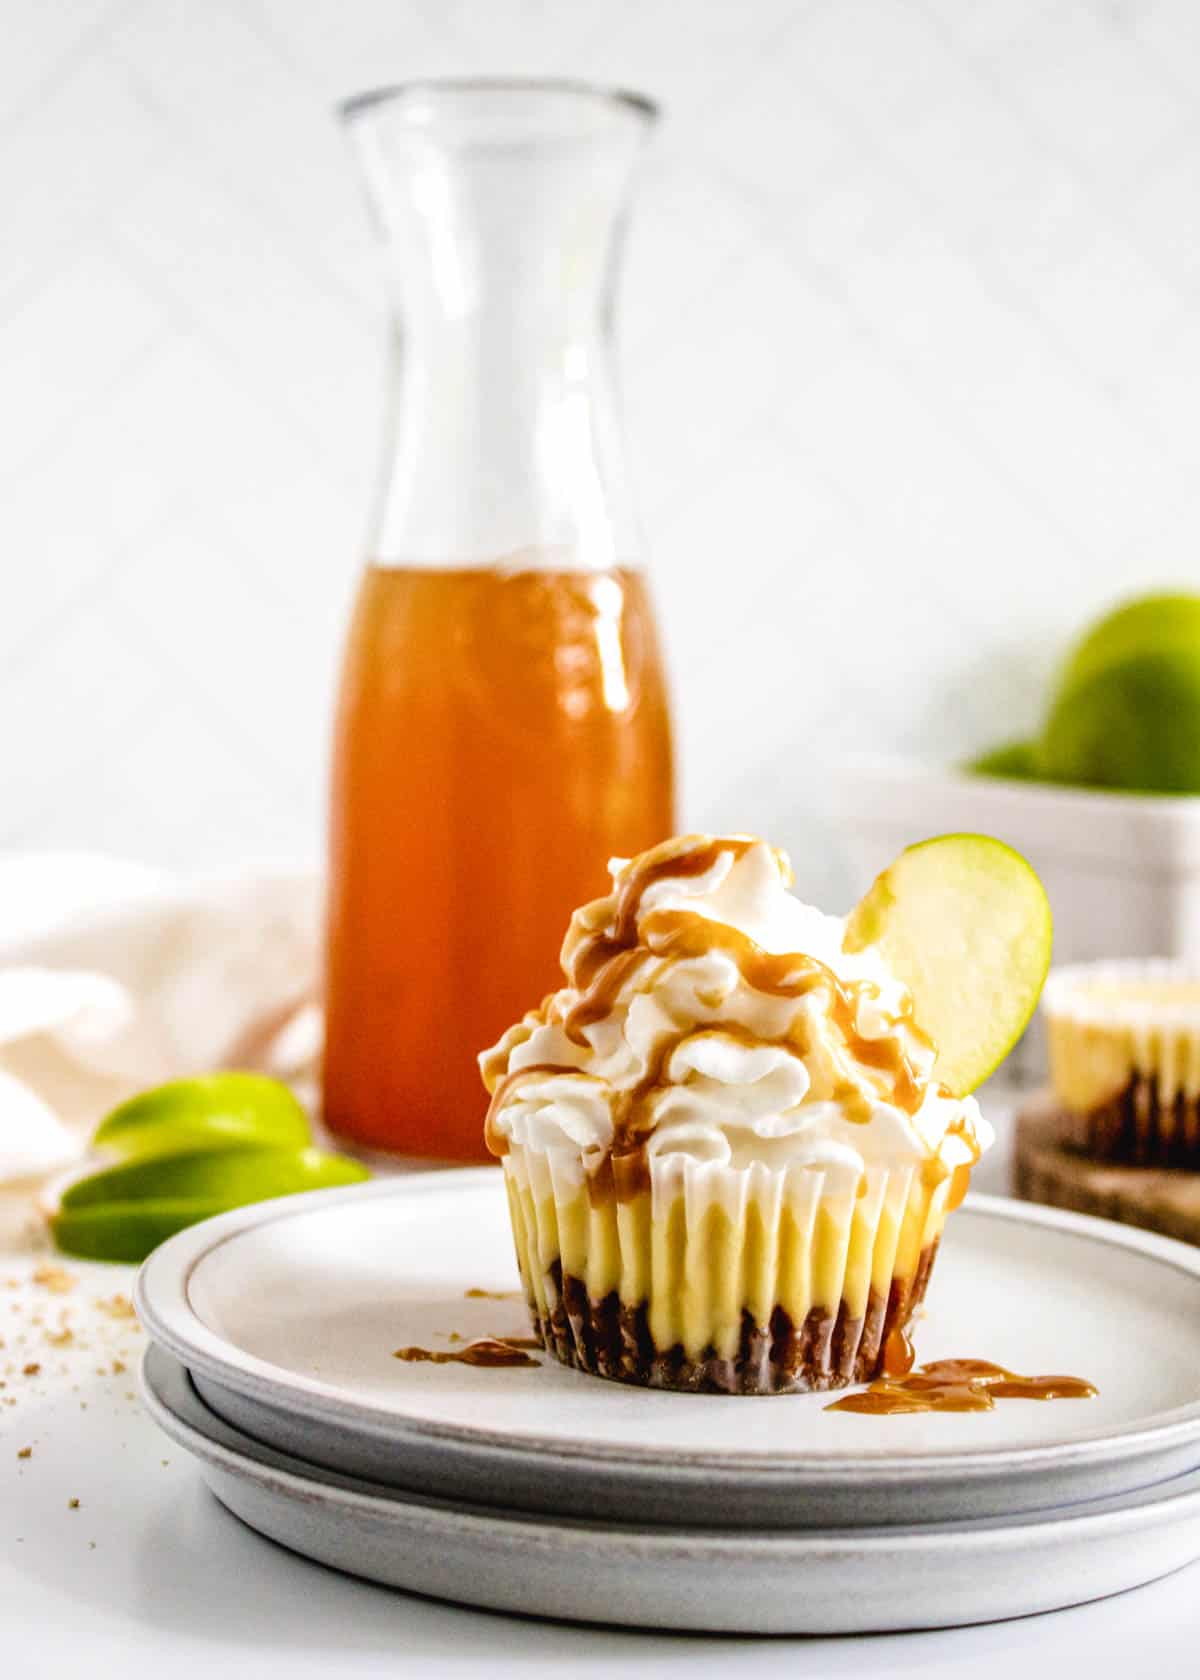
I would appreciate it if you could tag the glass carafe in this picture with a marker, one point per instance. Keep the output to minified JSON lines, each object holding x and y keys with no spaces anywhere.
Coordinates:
{"x":502,"y":727}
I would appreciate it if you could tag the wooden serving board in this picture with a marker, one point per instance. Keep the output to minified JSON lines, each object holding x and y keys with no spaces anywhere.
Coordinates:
{"x":1163,"y":1199}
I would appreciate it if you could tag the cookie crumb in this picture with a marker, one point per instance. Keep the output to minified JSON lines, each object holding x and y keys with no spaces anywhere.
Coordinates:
{"x":32,"y":1369}
{"x":54,"y":1278}
{"x":25,"y":1452}
{"x":72,"y":1504}
{"x":116,"y":1306}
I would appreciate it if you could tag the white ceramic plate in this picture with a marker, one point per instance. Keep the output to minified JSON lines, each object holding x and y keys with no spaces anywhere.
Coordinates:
{"x":287,"y":1314}
{"x":704,"y":1580}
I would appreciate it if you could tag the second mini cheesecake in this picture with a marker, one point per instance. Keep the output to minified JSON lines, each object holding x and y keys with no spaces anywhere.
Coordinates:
{"x":1124,"y":1041}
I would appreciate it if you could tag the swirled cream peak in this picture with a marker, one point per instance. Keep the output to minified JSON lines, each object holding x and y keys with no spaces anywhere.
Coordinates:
{"x":708,"y":1011}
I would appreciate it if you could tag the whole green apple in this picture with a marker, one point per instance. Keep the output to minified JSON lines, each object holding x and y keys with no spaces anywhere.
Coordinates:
{"x":1015,"y":761}
{"x":1149,"y":624}
{"x":1132,"y":722}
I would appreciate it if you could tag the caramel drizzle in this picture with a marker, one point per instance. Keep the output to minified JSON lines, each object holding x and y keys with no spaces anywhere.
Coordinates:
{"x":604,"y":962}
{"x":674,"y":936}
{"x":955,"y":1385}
{"x":599,"y":949}
{"x":679,"y":866}
{"x":596,"y":1000}
{"x":495,"y":1140}
{"x":488,"y":1351}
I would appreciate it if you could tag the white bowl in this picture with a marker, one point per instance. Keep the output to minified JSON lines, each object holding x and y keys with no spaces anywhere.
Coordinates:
{"x":1122,"y":870}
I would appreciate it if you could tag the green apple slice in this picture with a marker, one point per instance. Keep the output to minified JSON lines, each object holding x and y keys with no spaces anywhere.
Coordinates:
{"x":210,"y":1112}
{"x":229,"y":1176}
{"x":125,"y":1231}
{"x":965,"y":923}
{"x":122,"y":1212}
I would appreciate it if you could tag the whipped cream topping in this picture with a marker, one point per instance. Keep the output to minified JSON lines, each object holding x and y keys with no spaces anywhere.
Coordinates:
{"x":709,"y":1013}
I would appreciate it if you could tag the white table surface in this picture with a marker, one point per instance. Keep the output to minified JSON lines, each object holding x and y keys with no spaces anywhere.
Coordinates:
{"x":150,"y":1576}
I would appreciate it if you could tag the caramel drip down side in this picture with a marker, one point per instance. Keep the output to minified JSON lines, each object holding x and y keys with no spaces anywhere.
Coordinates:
{"x":898,"y":1353}
{"x":495,"y":1140}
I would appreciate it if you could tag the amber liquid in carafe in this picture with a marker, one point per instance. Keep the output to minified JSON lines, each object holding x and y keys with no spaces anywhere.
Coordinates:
{"x":501,"y":733}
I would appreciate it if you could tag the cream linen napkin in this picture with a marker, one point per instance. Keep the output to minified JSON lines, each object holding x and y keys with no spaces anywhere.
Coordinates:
{"x":114,"y":977}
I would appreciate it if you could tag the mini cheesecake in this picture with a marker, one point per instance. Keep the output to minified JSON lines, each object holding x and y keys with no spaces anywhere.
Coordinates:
{"x":728,"y":1156}
{"x":1124,"y":1040}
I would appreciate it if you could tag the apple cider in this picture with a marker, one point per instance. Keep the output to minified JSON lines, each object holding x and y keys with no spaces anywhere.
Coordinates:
{"x":501,"y":733}
{"x":502,"y":728}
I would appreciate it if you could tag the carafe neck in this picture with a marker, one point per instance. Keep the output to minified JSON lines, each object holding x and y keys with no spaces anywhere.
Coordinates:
{"x":502,"y":209}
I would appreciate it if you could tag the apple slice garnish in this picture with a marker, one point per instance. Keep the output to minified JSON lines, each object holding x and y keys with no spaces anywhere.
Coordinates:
{"x":965,"y":924}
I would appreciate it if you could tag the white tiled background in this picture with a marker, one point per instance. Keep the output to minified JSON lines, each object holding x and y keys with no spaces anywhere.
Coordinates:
{"x":911,"y":345}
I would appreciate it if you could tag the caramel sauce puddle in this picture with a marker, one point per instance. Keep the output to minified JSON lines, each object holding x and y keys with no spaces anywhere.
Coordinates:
{"x":953,"y":1385}
{"x":488,"y":1351}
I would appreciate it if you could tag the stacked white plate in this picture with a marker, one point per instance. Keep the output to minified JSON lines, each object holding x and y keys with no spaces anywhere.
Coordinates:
{"x":544,"y":1491}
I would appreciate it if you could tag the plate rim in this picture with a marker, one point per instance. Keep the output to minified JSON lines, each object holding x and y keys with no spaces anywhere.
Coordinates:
{"x":1130,"y":1511}
{"x":161,"y":1299}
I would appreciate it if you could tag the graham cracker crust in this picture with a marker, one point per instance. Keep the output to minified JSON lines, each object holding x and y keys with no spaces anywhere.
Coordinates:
{"x":1138,"y":1129}
{"x":828,"y":1350}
